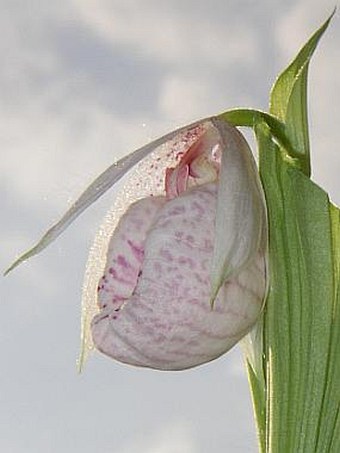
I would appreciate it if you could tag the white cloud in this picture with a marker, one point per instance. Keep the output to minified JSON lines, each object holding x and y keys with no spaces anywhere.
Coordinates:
{"x":301,"y":20}
{"x":177,"y":437}
{"x":58,"y":152}
{"x":184,"y":97}
{"x":169,"y":32}
{"x":55,"y":135}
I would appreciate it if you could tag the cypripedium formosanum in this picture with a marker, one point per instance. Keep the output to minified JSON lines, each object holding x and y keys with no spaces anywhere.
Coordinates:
{"x":180,"y":275}
{"x":173,"y":253}
{"x":178,"y":271}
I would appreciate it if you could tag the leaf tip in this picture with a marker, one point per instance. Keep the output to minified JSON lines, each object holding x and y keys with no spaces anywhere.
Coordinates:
{"x":13,"y":266}
{"x":22,"y":258}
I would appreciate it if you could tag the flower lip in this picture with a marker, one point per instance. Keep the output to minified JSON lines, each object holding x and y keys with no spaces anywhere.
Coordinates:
{"x":167,"y":322}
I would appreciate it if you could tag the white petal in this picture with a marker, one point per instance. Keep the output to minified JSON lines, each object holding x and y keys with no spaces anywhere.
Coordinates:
{"x":240,"y":229}
{"x":98,"y":187}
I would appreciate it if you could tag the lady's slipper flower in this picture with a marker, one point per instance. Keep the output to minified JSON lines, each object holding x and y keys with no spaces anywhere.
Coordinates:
{"x":177,"y":275}
{"x":172,"y":254}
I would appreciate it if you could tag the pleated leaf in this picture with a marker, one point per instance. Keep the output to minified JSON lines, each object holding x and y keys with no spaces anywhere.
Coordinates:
{"x":292,"y":353}
{"x":288,"y":99}
{"x":298,"y":320}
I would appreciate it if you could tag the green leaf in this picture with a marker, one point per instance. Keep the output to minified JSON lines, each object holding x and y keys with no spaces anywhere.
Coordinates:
{"x":300,"y":334}
{"x":252,"y":348}
{"x":292,"y":353}
{"x":259,"y":404}
{"x":288,"y":99}
{"x":329,"y":430}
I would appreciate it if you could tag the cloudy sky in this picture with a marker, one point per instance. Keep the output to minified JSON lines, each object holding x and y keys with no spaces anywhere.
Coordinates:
{"x":83,"y":82}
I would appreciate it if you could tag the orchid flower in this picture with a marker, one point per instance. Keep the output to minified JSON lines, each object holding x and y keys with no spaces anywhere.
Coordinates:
{"x":179,"y":273}
{"x":171,"y":254}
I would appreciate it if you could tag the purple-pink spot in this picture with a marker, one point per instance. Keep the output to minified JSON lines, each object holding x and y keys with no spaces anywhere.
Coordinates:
{"x":208,"y":244}
{"x":137,"y":222}
{"x":177,"y":210}
{"x":186,"y":260}
{"x":113,"y":272}
{"x":171,"y":269}
{"x":157,"y":267}
{"x":198,"y":208}
{"x":121,"y":260}
{"x":178,"y":234}
{"x":138,"y":251}
{"x":201,"y":279}
{"x":164,"y":253}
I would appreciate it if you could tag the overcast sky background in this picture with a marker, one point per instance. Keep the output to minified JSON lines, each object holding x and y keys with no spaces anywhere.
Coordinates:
{"x":86,"y":81}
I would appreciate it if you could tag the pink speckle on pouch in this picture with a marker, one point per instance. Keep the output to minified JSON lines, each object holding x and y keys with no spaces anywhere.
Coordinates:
{"x":121,"y":260}
{"x":115,"y":276}
{"x":138,"y":252}
{"x":170,"y":269}
{"x":158,"y":268}
{"x":177,"y":210}
{"x":164,"y":253}
{"x":195,"y":206}
{"x":137,"y":223}
{"x":182,"y":260}
{"x":178,"y":235}
{"x":113,"y":272}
